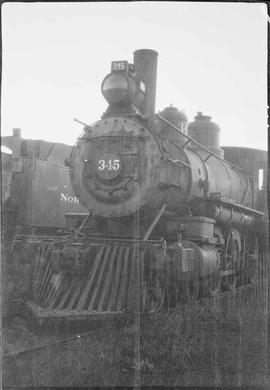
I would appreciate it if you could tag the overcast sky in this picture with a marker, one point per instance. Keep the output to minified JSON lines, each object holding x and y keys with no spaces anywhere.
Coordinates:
{"x":212,"y":58}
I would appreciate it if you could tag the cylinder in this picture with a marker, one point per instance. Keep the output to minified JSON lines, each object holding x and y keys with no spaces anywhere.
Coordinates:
{"x":198,"y":228}
{"x":145,"y":64}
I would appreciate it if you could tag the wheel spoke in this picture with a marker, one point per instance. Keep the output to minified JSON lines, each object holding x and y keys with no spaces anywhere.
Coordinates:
{"x":252,"y":257}
{"x":232,"y":257}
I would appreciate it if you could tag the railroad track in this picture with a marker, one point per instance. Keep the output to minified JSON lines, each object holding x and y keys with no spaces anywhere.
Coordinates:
{"x":222,"y":298}
{"x":51,"y":345}
{"x":258,"y":288}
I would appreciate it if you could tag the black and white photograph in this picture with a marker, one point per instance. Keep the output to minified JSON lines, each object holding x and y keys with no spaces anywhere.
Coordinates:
{"x":134,"y":195}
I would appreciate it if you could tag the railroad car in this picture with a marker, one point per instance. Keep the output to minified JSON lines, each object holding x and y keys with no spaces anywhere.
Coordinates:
{"x":37,"y":183}
{"x":166,"y":215}
{"x":36,"y":197}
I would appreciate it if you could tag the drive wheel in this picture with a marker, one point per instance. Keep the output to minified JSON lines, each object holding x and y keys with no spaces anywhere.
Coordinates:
{"x":232,"y":259}
{"x":252,"y":257}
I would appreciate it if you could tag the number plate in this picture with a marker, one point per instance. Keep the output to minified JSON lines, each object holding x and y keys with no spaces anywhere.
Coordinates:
{"x":108,"y":166}
{"x":119,"y":66}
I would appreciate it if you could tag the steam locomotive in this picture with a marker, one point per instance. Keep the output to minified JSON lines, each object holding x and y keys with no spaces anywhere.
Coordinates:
{"x":165,"y":215}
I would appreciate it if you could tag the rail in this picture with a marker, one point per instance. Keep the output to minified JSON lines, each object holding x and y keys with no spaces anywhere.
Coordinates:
{"x":210,"y":154}
{"x":56,"y":343}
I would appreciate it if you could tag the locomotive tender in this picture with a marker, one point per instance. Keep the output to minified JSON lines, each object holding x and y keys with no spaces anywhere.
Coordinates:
{"x":167,"y":216}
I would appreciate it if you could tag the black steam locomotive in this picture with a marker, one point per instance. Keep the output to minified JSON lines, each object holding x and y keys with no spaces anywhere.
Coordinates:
{"x":166,"y":216}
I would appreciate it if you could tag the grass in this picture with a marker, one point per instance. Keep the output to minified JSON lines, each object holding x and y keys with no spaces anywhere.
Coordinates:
{"x":200,"y":344}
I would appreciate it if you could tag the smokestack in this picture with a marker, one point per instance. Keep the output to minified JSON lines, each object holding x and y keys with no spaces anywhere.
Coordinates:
{"x":145,"y":64}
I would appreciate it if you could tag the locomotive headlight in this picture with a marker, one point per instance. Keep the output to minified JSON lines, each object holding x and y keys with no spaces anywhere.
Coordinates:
{"x":118,"y":87}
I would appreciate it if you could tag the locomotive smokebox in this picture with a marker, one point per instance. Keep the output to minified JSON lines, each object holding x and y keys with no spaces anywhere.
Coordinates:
{"x":145,"y":64}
